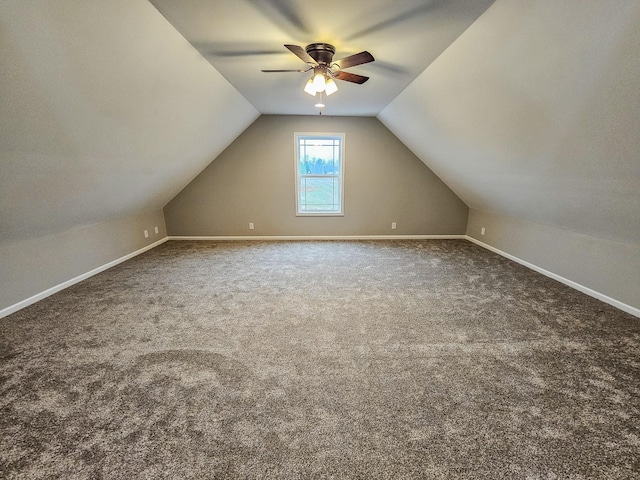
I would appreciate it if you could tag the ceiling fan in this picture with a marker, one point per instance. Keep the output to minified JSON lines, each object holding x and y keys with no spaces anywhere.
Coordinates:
{"x":319,"y":58}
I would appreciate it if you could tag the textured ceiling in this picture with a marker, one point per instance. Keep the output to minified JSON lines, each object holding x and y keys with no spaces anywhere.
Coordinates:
{"x":239,"y":38}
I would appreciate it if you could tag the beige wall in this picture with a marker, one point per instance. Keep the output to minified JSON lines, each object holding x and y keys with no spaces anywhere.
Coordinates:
{"x":106,"y":112}
{"x":253,"y":180}
{"x":533,"y":113}
{"x":608,"y":267}
{"x":33,"y":266}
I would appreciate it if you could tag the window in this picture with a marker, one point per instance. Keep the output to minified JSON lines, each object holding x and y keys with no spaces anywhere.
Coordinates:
{"x":319,"y":172}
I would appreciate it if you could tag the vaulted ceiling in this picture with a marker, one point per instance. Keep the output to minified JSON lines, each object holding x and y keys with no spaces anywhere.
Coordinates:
{"x":106,"y":111}
{"x":239,"y":38}
{"x":524,"y":108}
{"x":534,"y":112}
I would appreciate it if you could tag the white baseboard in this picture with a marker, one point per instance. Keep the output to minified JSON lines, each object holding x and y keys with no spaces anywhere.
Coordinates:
{"x":50,"y":291}
{"x":320,"y":237}
{"x":581,"y":288}
{"x":61,"y":286}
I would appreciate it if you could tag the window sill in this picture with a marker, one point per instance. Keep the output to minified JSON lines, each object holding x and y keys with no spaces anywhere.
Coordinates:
{"x":319,"y":214}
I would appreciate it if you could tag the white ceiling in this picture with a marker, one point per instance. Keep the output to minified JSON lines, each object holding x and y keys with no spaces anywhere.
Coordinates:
{"x":241,"y":37}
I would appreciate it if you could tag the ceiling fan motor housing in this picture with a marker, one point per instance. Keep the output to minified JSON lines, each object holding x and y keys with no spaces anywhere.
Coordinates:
{"x":321,"y":52}
{"x":319,"y":57}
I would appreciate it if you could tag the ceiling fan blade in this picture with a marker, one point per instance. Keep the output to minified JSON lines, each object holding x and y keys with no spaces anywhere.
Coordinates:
{"x":302,"y":54}
{"x":420,"y":11}
{"x":353,"y":60}
{"x":284,"y":14}
{"x":235,"y":49}
{"x":350,"y":77}
{"x":236,"y":53}
{"x":272,"y":71}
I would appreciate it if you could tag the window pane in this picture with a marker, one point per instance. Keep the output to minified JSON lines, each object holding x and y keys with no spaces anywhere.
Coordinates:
{"x":319,"y":156}
{"x":319,"y":194}
{"x":319,"y":171}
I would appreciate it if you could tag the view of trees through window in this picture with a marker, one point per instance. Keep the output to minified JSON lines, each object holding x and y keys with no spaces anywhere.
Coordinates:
{"x":319,"y":174}
{"x":317,"y":165}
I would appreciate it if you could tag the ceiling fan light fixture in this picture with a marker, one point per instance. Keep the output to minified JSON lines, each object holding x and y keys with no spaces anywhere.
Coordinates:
{"x":320,"y":103}
{"x":310,"y":87}
{"x":319,"y":82}
{"x":319,"y":58}
{"x":330,"y":87}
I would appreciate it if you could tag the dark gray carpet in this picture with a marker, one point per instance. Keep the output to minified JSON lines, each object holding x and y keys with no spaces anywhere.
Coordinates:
{"x":408,"y":359}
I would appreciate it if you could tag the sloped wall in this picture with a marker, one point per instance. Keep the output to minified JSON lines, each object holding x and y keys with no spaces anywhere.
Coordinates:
{"x":533,"y":113}
{"x":608,"y":268}
{"x":33,"y":269}
{"x":531,"y":117}
{"x":106,"y":112}
{"x":253,"y":180}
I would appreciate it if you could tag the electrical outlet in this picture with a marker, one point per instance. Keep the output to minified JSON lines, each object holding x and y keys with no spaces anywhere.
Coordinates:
{"x":156,"y":229}
{"x":146,"y":234}
{"x":482,"y":231}
{"x":250,"y":225}
{"x":393,"y":225}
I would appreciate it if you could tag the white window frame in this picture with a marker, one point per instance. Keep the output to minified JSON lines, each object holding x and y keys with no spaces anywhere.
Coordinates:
{"x":298,"y":176}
